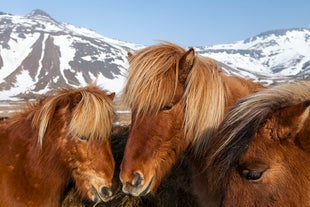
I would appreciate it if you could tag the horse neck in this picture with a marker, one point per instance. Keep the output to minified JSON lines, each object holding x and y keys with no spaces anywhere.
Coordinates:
{"x":234,"y":88}
{"x":237,"y":88}
{"x":38,"y":172}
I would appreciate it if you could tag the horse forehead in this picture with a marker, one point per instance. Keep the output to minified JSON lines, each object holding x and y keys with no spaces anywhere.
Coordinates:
{"x":263,"y":147}
{"x":266,"y":145}
{"x":163,"y":118}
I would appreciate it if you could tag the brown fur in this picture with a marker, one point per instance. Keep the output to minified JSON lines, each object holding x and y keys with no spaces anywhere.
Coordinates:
{"x":266,"y":133}
{"x":62,"y":138}
{"x":174,"y":191}
{"x":176,"y":97}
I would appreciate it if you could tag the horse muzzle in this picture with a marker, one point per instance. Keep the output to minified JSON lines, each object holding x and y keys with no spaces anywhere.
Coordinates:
{"x":137,"y":186}
{"x":104,"y":194}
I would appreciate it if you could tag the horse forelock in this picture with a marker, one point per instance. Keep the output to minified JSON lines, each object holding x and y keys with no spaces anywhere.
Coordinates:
{"x":241,"y":123}
{"x":152,"y":80}
{"x":91,"y":116}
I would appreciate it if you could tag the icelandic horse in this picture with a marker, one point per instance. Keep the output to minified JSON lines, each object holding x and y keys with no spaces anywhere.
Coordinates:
{"x":60,"y":139}
{"x":178,"y":100}
{"x":261,"y":154}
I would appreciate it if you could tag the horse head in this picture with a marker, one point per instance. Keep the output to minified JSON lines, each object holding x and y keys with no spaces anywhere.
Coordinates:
{"x":156,"y":139}
{"x":76,"y":125}
{"x":265,"y":158}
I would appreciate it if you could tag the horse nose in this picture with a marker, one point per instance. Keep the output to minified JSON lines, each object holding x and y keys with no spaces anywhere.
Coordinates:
{"x":137,"y":180}
{"x":106,"y":192}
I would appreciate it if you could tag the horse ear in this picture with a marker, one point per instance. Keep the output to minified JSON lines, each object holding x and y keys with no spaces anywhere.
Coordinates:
{"x":129,"y":55}
{"x":111,"y":96}
{"x":294,"y":123}
{"x":185,"y":65}
{"x":76,"y":98}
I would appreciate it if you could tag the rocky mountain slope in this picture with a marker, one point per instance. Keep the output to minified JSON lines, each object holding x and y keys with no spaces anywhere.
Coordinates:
{"x":39,"y":54}
{"x":273,"y":56}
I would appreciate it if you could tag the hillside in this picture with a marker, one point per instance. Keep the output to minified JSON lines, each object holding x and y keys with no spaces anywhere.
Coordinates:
{"x":39,"y":54}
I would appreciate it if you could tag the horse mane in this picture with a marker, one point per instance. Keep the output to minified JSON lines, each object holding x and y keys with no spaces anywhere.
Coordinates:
{"x":241,"y":123}
{"x":152,"y":81}
{"x":90,"y":109}
{"x":152,"y":78}
{"x":204,"y":91}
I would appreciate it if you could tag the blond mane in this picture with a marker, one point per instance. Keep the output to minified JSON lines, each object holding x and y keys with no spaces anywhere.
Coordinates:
{"x":152,"y":81}
{"x":243,"y":120}
{"x":152,"y":78}
{"x":91,"y":112}
{"x":204,"y":91}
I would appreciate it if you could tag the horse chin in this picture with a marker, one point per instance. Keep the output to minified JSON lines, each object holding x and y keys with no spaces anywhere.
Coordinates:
{"x":141,"y":190}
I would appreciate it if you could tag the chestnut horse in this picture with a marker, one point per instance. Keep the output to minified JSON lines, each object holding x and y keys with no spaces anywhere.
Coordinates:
{"x":175,"y":97}
{"x":61,"y":138}
{"x":261,"y":156}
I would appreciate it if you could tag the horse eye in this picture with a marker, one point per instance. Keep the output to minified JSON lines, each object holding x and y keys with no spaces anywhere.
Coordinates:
{"x":83,"y":138}
{"x":251,"y":174}
{"x":166,"y":108}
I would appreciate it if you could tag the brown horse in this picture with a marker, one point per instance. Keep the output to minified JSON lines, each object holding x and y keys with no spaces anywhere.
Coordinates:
{"x":175,"y":97}
{"x":261,"y":156}
{"x":172,"y":192}
{"x":61,"y":138}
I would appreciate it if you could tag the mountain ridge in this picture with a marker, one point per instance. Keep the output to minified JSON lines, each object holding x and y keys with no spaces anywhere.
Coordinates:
{"x":39,"y":54}
{"x":279,"y":53}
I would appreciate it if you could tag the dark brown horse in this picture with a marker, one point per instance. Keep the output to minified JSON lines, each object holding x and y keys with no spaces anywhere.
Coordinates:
{"x":62,"y":138}
{"x":261,"y":156}
{"x":175,"y":97}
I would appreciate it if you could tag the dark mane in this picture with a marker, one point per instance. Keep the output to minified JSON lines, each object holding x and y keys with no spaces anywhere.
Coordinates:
{"x":241,"y":123}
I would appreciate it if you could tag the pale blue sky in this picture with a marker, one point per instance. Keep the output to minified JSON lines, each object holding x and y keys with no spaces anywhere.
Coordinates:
{"x":188,"y":23}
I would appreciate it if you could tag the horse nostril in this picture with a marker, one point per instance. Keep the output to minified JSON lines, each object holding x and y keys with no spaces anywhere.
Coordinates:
{"x":106,"y":192}
{"x":95,"y":198}
{"x":138,"y":179}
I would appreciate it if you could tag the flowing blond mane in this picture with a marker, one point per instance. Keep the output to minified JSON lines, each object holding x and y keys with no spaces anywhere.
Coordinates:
{"x":240,"y":124}
{"x":205,"y":100}
{"x":90,"y":108}
{"x":152,"y":78}
{"x":152,"y":81}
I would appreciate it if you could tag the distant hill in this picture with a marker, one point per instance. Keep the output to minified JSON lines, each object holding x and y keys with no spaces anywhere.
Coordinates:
{"x":269,"y":57}
{"x":39,"y":54}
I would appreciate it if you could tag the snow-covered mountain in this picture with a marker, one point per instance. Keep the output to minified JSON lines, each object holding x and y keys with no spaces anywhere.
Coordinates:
{"x":273,"y":56}
{"x":38,"y":54}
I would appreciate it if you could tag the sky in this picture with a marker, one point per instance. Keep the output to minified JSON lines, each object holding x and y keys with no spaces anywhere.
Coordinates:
{"x":184,"y":22}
